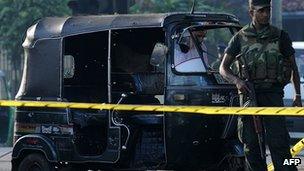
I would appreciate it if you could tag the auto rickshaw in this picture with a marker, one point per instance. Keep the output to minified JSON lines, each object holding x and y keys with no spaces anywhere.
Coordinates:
{"x":126,"y":59}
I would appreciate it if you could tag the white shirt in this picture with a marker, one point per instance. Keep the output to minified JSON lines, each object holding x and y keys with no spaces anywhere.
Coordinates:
{"x":190,"y":61}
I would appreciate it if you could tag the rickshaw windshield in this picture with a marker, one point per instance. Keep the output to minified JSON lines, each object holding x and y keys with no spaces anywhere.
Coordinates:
{"x":198,"y":50}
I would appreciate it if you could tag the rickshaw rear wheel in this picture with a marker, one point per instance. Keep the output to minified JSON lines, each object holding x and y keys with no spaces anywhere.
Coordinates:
{"x":237,"y":164}
{"x":35,"y":162}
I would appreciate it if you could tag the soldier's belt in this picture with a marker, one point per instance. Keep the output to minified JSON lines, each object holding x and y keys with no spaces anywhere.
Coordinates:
{"x":205,"y":110}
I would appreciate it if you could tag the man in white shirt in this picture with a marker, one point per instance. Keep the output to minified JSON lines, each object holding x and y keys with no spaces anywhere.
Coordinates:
{"x":190,"y":61}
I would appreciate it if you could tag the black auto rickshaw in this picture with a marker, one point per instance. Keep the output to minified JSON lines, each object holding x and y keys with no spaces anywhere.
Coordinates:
{"x":126,"y":59}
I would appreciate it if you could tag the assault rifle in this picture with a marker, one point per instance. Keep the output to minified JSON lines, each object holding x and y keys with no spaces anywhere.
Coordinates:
{"x":249,"y":100}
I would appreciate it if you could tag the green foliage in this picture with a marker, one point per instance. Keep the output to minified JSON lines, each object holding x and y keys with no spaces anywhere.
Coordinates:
{"x":236,"y":7}
{"x":156,"y":6}
{"x":161,"y":6}
{"x":17,"y":15}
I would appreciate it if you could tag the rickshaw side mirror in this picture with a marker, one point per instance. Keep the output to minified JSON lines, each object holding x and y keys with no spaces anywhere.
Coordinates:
{"x":159,"y":54}
{"x":184,"y":44}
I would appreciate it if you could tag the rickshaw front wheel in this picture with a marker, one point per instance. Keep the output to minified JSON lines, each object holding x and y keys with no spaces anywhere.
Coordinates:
{"x":35,"y":162}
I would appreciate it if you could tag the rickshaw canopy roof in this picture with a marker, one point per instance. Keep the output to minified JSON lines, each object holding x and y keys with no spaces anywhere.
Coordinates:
{"x":55,"y":27}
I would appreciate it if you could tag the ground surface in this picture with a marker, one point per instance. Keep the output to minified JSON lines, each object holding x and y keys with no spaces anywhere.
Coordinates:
{"x":5,"y":158}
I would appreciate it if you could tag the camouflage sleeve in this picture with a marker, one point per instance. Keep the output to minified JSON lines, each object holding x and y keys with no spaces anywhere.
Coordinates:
{"x":286,"y":45}
{"x":233,"y":48}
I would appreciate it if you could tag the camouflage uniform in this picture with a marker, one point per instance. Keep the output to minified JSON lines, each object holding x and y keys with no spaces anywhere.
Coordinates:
{"x":266,"y":58}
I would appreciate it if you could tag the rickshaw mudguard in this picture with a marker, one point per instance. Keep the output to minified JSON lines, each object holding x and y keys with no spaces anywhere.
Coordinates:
{"x":35,"y":143}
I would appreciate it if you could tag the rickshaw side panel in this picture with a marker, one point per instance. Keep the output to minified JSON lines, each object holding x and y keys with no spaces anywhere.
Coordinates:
{"x":41,"y":78}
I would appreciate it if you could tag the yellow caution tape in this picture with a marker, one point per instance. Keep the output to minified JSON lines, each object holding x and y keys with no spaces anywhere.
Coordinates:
{"x":296,"y":149}
{"x":206,"y":110}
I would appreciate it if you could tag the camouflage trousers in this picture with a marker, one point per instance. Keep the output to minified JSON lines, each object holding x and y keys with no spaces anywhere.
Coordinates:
{"x":275,"y":134}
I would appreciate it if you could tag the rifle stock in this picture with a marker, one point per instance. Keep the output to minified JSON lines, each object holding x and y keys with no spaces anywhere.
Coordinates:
{"x":250,"y":101}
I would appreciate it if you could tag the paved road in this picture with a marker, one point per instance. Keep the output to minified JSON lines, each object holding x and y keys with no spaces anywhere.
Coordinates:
{"x":5,"y":158}
{"x":301,"y":156}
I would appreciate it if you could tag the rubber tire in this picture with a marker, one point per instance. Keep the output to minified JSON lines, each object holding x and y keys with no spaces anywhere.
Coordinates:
{"x":238,"y":164}
{"x":35,"y":160}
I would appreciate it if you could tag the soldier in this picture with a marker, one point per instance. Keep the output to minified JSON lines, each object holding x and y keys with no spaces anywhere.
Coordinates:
{"x":220,"y":54}
{"x":267,"y":54}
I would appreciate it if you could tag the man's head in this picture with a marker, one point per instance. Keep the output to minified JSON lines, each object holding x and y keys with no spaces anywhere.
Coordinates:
{"x":259,"y":11}
{"x":200,"y":34}
{"x":186,"y":42}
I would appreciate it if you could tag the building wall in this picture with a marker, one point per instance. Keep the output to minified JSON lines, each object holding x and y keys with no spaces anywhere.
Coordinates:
{"x":293,"y":23}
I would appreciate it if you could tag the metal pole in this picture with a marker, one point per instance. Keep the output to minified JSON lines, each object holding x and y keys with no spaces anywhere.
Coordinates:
{"x":109,"y":67}
{"x":276,"y":14}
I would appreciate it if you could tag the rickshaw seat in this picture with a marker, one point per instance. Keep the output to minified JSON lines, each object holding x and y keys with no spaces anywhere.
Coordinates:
{"x":142,"y":118}
{"x":149,"y":83}
{"x":147,"y":119}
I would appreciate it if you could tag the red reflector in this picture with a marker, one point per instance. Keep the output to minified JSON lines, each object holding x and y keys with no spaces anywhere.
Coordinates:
{"x":32,"y":141}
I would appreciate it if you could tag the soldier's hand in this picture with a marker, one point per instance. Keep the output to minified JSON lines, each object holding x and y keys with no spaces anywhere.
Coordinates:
{"x":241,"y":86}
{"x":297,"y":101}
